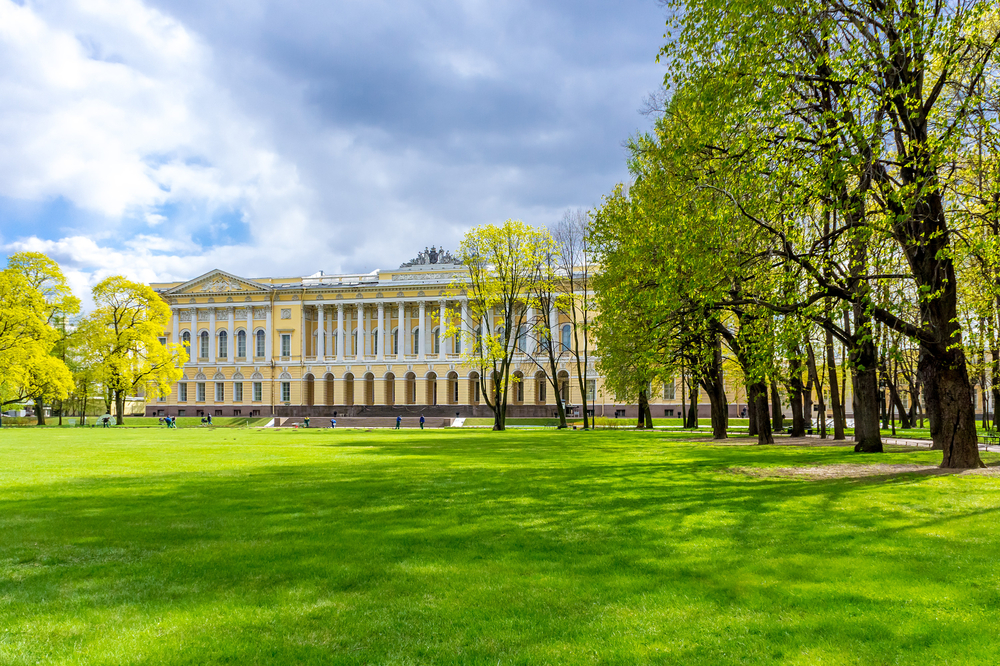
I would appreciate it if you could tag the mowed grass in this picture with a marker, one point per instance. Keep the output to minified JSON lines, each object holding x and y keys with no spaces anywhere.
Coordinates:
{"x":450,"y":547}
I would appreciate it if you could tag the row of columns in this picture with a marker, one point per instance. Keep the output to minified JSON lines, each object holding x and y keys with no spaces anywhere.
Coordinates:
{"x":359,"y":323}
{"x":230,"y":318}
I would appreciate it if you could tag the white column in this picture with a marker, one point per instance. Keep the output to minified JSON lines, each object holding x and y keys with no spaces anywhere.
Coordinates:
{"x":554,"y":328}
{"x":380,"y":337}
{"x":212,"y":342}
{"x":401,"y":332}
{"x":230,"y":330}
{"x":321,"y":332}
{"x":340,"y":331}
{"x":528,"y":325}
{"x":442,"y":340}
{"x":363,"y":316}
{"x":466,"y":337}
{"x":251,"y":349}
{"x":267,"y":333}
{"x":305,"y":339}
{"x":422,"y":339}
{"x":175,"y":333}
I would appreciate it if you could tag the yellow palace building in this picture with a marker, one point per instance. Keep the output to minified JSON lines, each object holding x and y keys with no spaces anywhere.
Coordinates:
{"x":312,"y":346}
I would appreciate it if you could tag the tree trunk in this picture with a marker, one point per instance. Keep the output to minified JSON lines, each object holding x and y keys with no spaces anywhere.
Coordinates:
{"x":795,"y":395}
{"x":816,"y":380}
{"x":692,"y":417}
{"x":777,"y":417}
{"x":40,"y":412}
{"x":836,"y":402}
{"x":904,"y":421}
{"x":716,"y":390}
{"x":751,"y":411}
{"x":759,"y":392}
{"x":807,"y":400}
{"x":649,"y":416}
{"x":867,"y":435}
{"x":949,"y":407}
{"x":554,"y":374}
{"x":643,"y":406}
{"x":120,"y":407}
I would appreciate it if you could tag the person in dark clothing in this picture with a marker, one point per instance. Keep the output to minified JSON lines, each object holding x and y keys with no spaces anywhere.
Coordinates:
{"x":399,"y":419}
{"x":421,"y":421}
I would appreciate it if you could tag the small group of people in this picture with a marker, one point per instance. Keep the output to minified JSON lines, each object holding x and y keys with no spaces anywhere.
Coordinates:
{"x":206,"y":420}
{"x":169,"y":421}
{"x":399,"y":421}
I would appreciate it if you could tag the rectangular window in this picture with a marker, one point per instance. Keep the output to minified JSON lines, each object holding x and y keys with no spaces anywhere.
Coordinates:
{"x":181,"y":412}
{"x":541,"y":391}
{"x":241,"y":345}
{"x":258,"y":391}
{"x":204,"y":345}
{"x":519,"y":391}
{"x":223,"y":345}
{"x":260,"y":344}
{"x":220,"y":392}
{"x":286,"y":344}
{"x":237,"y":412}
{"x":591,"y":389}
{"x":163,"y":342}
{"x":669,"y":390}
{"x":477,"y":390}
{"x":286,"y":391}
{"x":182,"y":392}
{"x":200,"y":392}
{"x":238,"y":392}
{"x":161,"y":398}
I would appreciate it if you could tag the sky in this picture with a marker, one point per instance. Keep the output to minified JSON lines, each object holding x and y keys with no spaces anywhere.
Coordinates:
{"x":165,"y":138}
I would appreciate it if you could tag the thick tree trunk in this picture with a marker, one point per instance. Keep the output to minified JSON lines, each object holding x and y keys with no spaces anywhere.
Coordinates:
{"x":777,"y":417}
{"x":649,"y":416}
{"x":716,"y":390}
{"x":40,"y":412}
{"x":759,"y":393}
{"x":836,"y":402}
{"x":120,"y":407}
{"x":807,"y":400}
{"x":795,"y":396}
{"x":692,"y":416}
{"x":643,"y":406}
{"x":554,"y":377}
{"x":867,"y":435}
{"x":751,"y":411}
{"x":949,"y":407}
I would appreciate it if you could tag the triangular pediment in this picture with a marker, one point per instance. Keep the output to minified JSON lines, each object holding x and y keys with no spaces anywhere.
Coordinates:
{"x":218,"y":282}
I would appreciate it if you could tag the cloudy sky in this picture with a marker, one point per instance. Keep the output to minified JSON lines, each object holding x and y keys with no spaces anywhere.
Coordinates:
{"x":164,"y":138}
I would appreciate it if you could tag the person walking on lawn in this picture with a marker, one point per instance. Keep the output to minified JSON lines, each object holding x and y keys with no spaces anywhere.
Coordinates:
{"x":421,"y":421}
{"x":399,"y":419}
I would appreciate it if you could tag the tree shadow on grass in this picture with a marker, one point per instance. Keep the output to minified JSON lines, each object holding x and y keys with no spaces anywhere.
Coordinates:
{"x":454,"y":555}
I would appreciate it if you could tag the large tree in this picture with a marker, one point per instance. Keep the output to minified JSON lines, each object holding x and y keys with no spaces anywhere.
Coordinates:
{"x":854,"y":107}
{"x":123,"y":333}
{"x":503,"y":264}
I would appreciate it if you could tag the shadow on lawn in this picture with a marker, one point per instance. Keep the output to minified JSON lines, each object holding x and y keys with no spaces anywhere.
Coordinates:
{"x":423,"y":554}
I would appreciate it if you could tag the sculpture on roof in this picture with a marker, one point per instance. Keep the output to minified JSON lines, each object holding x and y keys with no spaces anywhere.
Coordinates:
{"x":431,"y":256}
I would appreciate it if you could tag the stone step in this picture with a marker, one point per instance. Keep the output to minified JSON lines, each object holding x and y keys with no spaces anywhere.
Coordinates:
{"x":362,"y":422}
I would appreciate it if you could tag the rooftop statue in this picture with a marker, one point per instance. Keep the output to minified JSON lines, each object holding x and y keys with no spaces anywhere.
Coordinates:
{"x":431,"y":256}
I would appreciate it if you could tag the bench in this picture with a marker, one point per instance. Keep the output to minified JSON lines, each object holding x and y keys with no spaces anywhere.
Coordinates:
{"x":990,"y":438}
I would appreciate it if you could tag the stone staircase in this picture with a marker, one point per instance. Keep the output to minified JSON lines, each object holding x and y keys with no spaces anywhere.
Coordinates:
{"x":362,"y":422}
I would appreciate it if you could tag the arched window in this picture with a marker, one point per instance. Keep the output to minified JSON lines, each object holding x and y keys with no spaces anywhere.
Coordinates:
{"x":186,"y":339}
{"x":522,"y":339}
{"x":203,"y":351}
{"x":223,"y":344}
{"x":260,"y":343}
{"x":354,"y":342}
{"x":437,"y":341}
{"x":416,"y":340}
{"x":565,"y":336}
{"x":457,"y":347}
{"x":241,"y":344}
{"x":395,"y":341}
{"x":375,"y":342}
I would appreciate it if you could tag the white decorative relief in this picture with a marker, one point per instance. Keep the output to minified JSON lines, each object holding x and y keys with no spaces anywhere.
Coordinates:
{"x":286,"y":313}
{"x":202,"y":315}
{"x":184,"y":315}
{"x":241,"y":313}
{"x":260,"y":313}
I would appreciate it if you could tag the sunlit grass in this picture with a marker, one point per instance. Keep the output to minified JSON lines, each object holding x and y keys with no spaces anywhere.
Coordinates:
{"x":259,"y":547}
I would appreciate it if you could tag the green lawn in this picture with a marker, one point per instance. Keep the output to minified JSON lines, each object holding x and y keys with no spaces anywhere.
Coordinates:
{"x":231,"y":546}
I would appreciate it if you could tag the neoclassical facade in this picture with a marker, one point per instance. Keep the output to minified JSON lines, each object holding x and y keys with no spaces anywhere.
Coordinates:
{"x":329,"y":345}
